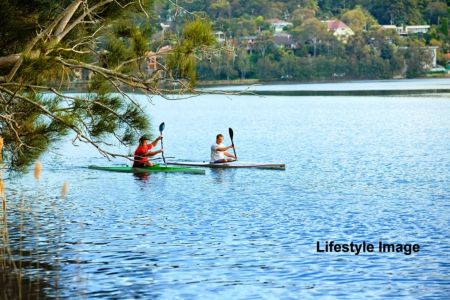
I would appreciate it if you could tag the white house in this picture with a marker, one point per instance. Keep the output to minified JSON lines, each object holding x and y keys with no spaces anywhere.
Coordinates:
{"x":279,"y":25}
{"x":220,"y":36}
{"x":409,"y":29}
{"x":399,"y":30}
{"x":412,"y":29}
{"x":340,"y":30}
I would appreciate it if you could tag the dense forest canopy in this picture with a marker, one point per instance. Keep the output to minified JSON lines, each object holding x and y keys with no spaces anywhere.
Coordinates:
{"x":385,"y":12}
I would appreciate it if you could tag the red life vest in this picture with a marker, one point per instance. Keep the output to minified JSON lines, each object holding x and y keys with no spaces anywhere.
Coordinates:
{"x":139,"y":158}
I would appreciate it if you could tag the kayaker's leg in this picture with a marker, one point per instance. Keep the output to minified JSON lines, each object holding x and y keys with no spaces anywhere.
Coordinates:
{"x":223,"y":160}
{"x":141,"y":165}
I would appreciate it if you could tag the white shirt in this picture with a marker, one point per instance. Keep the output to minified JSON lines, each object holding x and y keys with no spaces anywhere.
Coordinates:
{"x":216,"y":155}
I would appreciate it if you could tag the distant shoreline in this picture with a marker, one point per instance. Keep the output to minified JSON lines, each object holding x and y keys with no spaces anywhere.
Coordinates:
{"x":345,"y":92}
{"x":237,"y":82}
{"x":214,"y":87}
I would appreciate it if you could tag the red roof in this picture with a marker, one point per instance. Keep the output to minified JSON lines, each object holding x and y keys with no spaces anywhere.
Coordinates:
{"x":335,"y":25}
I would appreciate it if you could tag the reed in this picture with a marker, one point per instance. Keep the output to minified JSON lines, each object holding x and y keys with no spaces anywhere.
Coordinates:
{"x":14,"y":260}
{"x":7,"y":264}
{"x":3,"y":224}
{"x":37,"y":170}
{"x":3,"y":236}
{"x":64,"y":189}
{"x":1,"y":149}
{"x":13,"y":284}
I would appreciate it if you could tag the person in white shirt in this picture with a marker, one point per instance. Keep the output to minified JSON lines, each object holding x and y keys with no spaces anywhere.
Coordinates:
{"x":219,"y":152}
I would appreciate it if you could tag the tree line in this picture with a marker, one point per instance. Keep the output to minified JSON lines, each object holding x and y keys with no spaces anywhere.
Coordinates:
{"x":371,"y":53}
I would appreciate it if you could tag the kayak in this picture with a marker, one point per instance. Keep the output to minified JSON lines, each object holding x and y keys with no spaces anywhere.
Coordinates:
{"x":228,"y":165}
{"x":155,"y":168}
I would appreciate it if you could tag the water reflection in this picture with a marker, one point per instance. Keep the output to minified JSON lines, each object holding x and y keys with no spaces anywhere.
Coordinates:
{"x":14,"y":285}
{"x":223,"y":175}
{"x":219,"y":174}
{"x":26,"y":269}
{"x":142,"y":177}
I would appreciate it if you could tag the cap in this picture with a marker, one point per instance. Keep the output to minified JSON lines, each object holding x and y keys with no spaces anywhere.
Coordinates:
{"x":144,"y":138}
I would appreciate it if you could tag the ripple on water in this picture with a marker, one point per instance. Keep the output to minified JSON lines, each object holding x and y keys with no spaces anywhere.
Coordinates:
{"x":358,"y":169}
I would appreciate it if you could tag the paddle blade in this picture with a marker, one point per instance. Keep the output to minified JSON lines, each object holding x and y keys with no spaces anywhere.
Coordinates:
{"x":161,"y":127}
{"x":230,"y":131}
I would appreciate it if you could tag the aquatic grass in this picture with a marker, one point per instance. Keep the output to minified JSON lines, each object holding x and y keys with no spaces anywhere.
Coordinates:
{"x":15,"y":261}
{"x":7,"y":265}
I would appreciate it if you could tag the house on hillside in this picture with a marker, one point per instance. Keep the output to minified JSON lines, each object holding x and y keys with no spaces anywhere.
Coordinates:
{"x":407,"y":30}
{"x":279,"y":25}
{"x":398,"y":30}
{"x":285,"y":40}
{"x":156,"y":60}
{"x":248,"y":42}
{"x":340,"y":30}
{"x":414,"y":29}
{"x":220,"y":37}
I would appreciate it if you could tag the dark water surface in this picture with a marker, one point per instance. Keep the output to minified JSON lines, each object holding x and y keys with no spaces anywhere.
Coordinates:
{"x":358,"y":169}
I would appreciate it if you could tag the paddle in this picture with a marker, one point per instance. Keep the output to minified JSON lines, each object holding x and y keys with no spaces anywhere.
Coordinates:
{"x":161,"y":129}
{"x":230,"y":131}
{"x":161,"y":158}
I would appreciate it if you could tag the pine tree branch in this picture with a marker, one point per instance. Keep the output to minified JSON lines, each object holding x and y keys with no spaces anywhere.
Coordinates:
{"x":143,"y":10}
{"x":80,"y":19}
{"x":61,"y":31}
{"x":30,"y":46}
{"x":12,"y":124}
{"x":59,"y":94}
{"x":68,"y":14}
{"x":80,"y":135}
{"x":129,"y":80}
{"x":9,"y":60}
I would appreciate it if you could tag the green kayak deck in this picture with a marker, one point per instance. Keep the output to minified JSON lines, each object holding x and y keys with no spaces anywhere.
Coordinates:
{"x":152,"y":169}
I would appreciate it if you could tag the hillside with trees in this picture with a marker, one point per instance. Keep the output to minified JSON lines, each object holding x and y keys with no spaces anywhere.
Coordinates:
{"x":383,"y":43}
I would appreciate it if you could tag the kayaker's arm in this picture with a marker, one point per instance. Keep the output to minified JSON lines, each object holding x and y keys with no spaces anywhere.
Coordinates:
{"x":224,"y":148}
{"x":155,"y":142}
{"x":229,"y":155}
{"x":153,"y":153}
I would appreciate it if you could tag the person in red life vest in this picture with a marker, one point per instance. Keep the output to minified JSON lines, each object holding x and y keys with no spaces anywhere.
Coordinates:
{"x":143,"y":152}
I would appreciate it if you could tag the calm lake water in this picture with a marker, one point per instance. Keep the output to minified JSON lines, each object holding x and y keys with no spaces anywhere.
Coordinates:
{"x":358,"y":169}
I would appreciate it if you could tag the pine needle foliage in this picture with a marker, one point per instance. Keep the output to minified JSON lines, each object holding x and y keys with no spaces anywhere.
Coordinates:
{"x":47,"y":45}
{"x":197,"y":39}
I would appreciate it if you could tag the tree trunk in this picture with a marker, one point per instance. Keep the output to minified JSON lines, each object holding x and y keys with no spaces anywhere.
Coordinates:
{"x":67,"y":16}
